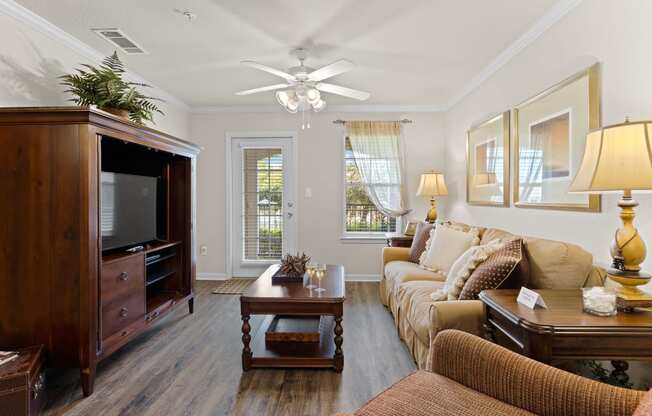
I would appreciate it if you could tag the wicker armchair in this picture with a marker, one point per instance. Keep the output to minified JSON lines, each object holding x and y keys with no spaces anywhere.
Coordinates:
{"x":471,"y":376}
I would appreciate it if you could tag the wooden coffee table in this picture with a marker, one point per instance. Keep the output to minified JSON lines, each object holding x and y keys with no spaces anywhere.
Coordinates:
{"x":294,"y":300}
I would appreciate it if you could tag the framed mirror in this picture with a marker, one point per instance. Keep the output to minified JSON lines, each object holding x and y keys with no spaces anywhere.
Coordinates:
{"x":549,"y":137}
{"x":487,"y":162}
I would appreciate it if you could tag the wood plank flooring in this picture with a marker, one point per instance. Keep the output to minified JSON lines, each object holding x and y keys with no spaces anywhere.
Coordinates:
{"x":190,"y":365}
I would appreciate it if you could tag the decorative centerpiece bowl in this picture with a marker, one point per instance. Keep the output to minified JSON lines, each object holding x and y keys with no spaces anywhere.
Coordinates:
{"x":292,"y":269}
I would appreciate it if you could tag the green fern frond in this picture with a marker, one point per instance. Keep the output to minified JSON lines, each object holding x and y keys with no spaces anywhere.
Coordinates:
{"x":104,"y":87}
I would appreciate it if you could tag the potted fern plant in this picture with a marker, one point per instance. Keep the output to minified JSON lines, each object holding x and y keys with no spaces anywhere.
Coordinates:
{"x":105,"y":88}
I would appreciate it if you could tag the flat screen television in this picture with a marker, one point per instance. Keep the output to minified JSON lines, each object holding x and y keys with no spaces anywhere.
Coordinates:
{"x":129,"y":209}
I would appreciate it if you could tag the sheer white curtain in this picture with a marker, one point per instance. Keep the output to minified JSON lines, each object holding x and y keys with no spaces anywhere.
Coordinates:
{"x":378,"y":152}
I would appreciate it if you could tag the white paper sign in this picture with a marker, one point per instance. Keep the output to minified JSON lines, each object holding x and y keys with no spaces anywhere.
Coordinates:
{"x":530,"y":298}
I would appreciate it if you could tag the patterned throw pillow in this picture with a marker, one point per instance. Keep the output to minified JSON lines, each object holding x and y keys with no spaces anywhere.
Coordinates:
{"x":507,"y":268}
{"x":462,"y":269}
{"x":421,"y":236}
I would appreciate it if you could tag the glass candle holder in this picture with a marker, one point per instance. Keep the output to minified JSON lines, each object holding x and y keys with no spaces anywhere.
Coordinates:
{"x":599,"y":301}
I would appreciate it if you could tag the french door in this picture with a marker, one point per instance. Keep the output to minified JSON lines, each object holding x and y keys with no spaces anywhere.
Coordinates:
{"x":263,"y":203}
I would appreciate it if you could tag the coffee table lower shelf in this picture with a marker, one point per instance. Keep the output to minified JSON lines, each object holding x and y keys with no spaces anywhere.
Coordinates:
{"x":295,"y":354}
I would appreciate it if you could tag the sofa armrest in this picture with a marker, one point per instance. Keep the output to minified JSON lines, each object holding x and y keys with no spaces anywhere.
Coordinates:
{"x":464,"y":315}
{"x":525,"y":383}
{"x":395,"y":254}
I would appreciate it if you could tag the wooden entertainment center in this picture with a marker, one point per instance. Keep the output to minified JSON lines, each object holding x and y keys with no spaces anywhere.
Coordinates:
{"x":57,"y":286}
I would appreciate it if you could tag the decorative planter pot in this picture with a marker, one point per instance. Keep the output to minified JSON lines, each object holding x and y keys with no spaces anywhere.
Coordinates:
{"x":124,"y":114}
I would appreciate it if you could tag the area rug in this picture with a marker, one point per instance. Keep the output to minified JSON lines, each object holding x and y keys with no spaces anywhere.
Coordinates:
{"x":233,"y":286}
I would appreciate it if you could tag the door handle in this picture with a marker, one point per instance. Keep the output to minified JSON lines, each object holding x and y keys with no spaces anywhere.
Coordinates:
{"x":290,"y":215}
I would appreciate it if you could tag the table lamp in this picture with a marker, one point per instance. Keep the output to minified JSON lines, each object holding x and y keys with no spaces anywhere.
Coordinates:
{"x":619,"y":158}
{"x":432,"y":184}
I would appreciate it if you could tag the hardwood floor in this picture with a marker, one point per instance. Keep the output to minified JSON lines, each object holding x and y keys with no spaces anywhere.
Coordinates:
{"x":190,"y":365}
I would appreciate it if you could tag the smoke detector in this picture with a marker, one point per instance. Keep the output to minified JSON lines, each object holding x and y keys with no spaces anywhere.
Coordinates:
{"x":187,"y":14}
{"x":119,"y":39}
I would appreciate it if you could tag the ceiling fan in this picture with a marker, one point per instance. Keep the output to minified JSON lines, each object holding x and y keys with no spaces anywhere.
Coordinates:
{"x":303,"y":85}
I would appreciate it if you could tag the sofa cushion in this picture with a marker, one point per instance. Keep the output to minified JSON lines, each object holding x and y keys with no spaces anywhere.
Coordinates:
{"x":491,"y":234}
{"x":423,"y":393}
{"x":553,"y":264}
{"x":414,"y":302}
{"x":506,"y":268}
{"x":446,"y":244}
{"x":421,"y":236}
{"x":556,"y":264}
{"x":397,"y":272}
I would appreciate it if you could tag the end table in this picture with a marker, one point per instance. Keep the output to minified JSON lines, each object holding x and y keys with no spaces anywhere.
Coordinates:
{"x":564,"y":331}
{"x":398,"y":240}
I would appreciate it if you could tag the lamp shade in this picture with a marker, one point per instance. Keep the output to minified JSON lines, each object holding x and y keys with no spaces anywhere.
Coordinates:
{"x":432,"y":184}
{"x":616,"y":158}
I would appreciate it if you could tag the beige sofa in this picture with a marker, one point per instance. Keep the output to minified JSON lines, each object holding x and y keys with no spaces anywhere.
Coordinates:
{"x":405,"y":288}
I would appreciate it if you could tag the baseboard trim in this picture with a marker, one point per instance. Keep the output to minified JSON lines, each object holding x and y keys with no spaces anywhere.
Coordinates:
{"x":362,"y":278}
{"x":212,"y":276}
{"x":348,"y":278}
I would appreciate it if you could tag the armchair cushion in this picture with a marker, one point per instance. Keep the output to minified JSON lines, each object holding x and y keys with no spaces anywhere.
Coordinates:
{"x":423,"y":394}
{"x":645,"y":407}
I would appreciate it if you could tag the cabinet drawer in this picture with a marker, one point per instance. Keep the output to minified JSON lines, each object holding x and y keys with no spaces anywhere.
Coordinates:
{"x":121,"y":277}
{"x":122,"y":294}
{"x":122,"y":312}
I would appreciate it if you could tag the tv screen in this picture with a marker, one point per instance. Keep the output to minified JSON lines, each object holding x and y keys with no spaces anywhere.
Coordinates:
{"x":128,"y":209}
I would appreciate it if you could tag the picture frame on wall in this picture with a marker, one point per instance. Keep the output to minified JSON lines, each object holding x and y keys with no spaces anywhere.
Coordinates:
{"x":487,"y":162}
{"x":549,"y":138}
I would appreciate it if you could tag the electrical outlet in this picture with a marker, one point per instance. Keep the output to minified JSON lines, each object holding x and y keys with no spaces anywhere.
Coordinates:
{"x":308,"y":192}
{"x":203,"y":250}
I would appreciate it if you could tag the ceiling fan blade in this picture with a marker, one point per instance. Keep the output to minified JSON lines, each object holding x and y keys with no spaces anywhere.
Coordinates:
{"x":331,"y":70}
{"x":263,"y":89}
{"x":269,"y":69}
{"x":339,"y":90}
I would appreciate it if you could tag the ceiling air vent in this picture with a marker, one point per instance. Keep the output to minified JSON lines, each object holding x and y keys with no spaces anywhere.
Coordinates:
{"x":118,"y":38}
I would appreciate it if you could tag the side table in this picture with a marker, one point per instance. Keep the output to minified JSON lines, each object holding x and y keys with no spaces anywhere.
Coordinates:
{"x":398,"y":240}
{"x":564,"y":331}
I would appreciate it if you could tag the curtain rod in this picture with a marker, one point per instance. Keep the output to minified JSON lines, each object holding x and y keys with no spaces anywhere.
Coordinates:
{"x":404,"y":121}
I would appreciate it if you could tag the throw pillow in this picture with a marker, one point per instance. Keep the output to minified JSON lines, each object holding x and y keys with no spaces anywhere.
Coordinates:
{"x":421,"y":236}
{"x":462,"y":269}
{"x":506,"y":268}
{"x":446,"y":245}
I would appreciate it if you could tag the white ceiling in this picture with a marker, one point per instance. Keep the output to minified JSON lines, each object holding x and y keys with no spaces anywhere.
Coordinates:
{"x":415,"y":52}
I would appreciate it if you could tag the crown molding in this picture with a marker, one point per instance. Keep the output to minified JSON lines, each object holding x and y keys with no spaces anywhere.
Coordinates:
{"x":554,"y":15}
{"x":22,"y":14}
{"x":364,"y":108}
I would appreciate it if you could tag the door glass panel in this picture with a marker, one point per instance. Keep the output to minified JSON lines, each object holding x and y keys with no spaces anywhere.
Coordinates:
{"x":262,"y":207}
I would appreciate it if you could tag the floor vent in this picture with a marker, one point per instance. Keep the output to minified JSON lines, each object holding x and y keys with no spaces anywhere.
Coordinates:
{"x":118,"y":38}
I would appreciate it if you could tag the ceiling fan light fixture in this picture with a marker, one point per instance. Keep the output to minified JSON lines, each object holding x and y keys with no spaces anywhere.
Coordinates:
{"x":313,"y":96}
{"x":283,"y":98}
{"x":293,"y":104}
{"x":319,"y":105}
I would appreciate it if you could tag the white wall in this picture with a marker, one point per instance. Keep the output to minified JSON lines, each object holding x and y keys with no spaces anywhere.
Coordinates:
{"x":31,"y":62}
{"x":618,"y":35}
{"x":320,"y":162}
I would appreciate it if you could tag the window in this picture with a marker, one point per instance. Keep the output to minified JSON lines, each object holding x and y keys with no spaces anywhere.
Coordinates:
{"x":263,"y":202}
{"x":361,"y":217}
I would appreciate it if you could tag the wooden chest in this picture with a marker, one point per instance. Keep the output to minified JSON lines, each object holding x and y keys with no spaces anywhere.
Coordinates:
{"x":22,"y":384}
